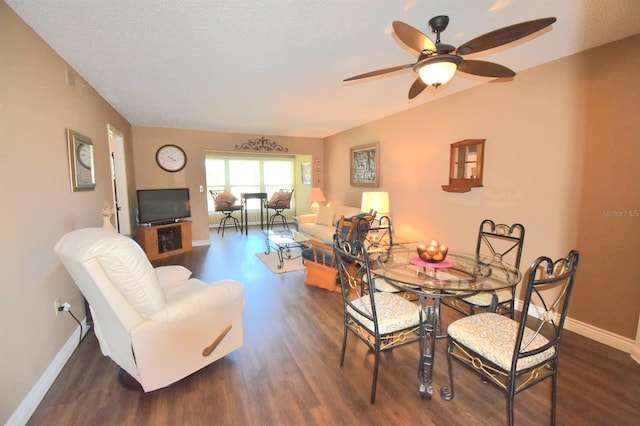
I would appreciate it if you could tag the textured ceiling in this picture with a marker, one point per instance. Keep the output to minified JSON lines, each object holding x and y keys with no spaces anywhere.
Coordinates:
{"x":275,"y":67}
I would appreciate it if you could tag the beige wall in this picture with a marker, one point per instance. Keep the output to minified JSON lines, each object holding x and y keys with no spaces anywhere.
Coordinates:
{"x":562,"y":147}
{"x":196,"y":143}
{"x":36,"y":106}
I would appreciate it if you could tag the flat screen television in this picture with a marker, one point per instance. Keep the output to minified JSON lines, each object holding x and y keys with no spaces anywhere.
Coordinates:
{"x":163,"y":205}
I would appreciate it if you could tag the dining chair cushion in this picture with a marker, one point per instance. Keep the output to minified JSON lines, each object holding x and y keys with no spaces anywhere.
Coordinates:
{"x":394,"y":312}
{"x":493,"y":336}
{"x":381,"y":284}
{"x":484,"y":297}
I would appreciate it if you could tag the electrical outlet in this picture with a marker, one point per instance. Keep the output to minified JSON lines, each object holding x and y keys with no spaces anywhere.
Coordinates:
{"x":57,"y":305}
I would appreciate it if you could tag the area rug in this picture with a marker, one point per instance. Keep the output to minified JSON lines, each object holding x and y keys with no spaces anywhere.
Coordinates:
{"x":271,"y":261}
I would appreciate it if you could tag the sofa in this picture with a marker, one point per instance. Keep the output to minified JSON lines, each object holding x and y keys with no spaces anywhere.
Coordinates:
{"x":322,"y":226}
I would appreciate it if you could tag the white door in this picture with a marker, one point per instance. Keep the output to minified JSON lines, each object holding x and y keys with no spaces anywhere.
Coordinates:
{"x":119,"y":179}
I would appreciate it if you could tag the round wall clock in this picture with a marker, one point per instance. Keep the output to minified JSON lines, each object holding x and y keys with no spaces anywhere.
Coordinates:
{"x":83,"y":154}
{"x":171,"y":158}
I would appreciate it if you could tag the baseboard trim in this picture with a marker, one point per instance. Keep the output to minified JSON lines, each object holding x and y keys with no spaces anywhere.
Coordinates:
{"x":199,"y":243}
{"x":30,"y":403}
{"x":635,"y":353}
{"x":589,"y":331}
{"x":602,"y":336}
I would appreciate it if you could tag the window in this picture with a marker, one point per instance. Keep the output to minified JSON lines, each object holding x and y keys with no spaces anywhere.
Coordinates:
{"x":238,"y":174}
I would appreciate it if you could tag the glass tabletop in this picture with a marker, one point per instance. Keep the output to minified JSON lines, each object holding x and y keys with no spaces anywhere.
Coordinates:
{"x":461,"y":271}
{"x":286,"y":236}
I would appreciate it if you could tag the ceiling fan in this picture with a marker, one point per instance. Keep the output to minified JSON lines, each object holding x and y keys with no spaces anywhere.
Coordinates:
{"x":437,"y":62}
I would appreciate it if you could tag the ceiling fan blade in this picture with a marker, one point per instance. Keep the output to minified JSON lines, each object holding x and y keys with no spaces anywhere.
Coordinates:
{"x":413,"y":38}
{"x":416,"y":88}
{"x":504,"y":35}
{"x":378,"y":72}
{"x":485,"y":69}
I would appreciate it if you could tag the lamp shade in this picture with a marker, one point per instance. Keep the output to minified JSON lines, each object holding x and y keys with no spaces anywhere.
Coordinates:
{"x":378,"y":201}
{"x":316,"y":195}
{"x":438,"y":70}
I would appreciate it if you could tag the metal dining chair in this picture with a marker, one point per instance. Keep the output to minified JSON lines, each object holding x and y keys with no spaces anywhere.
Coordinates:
{"x":504,"y":242}
{"x":515,"y":355}
{"x":382,"y":320}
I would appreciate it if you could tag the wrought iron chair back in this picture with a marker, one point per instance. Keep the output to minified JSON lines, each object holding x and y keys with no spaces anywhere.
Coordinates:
{"x":381,"y":320}
{"x":509,"y":353}
{"x":504,"y":242}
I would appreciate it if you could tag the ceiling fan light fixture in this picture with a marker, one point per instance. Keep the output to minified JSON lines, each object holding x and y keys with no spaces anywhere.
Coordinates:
{"x":438,"y":62}
{"x":438,"y":70}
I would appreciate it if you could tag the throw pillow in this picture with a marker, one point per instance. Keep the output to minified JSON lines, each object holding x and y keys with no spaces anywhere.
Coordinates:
{"x":225,"y":198}
{"x":325,"y":216}
{"x":275,"y":197}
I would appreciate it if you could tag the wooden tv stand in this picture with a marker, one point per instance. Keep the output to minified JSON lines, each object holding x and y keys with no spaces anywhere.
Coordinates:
{"x":160,"y":241}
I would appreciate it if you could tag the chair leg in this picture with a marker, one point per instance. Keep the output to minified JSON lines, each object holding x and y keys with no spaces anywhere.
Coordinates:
{"x":281,"y":219}
{"x":510,"y":403}
{"x":376,"y":364}
{"x":237,"y":224}
{"x":553,"y":397}
{"x":344,"y":345}
{"x":223,"y":223}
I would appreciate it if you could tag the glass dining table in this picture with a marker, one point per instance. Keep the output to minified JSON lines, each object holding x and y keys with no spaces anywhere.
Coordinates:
{"x":461,"y":274}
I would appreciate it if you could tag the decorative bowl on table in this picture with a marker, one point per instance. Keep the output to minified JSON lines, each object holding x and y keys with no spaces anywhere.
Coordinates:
{"x":433,"y":252}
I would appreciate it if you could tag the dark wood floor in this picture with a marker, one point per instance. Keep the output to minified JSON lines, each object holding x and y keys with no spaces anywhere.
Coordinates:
{"x":288,"y":370}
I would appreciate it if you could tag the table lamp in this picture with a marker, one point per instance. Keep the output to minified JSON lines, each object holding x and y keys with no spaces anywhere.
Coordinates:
{"x":378,"y":201}
{"x":315,"y":196}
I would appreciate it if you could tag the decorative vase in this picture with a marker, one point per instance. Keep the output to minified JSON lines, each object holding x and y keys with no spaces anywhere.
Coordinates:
{"x":107,"y":212}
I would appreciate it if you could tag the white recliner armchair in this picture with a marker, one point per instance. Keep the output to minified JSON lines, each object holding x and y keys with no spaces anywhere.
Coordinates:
{"x":157,"y":324}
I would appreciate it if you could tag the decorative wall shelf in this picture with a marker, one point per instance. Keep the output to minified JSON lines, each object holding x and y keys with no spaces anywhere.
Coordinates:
{"x":466,"y":165}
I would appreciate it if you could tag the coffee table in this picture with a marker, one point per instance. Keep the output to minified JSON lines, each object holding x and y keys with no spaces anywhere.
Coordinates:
{"x":282,"y":241}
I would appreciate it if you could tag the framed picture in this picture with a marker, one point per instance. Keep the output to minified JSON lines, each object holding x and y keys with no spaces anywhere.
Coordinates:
{"x":81,"y":171}
{"x":365,"y":165}
{"x":306,"y":173}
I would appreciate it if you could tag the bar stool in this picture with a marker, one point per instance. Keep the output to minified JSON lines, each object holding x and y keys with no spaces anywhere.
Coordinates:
{"x":279,"y":201}
{"x":225,"y":202}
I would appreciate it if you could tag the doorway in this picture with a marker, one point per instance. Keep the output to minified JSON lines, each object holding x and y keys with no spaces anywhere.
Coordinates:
{"x":119,"y":181}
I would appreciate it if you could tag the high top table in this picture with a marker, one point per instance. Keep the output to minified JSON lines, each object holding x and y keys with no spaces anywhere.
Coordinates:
{"x":262,"y":196}
{"x":460,"y":275}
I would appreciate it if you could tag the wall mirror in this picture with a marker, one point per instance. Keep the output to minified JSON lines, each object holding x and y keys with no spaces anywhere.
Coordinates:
{"x":80,"y":162}
{"x":466,"y":165}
